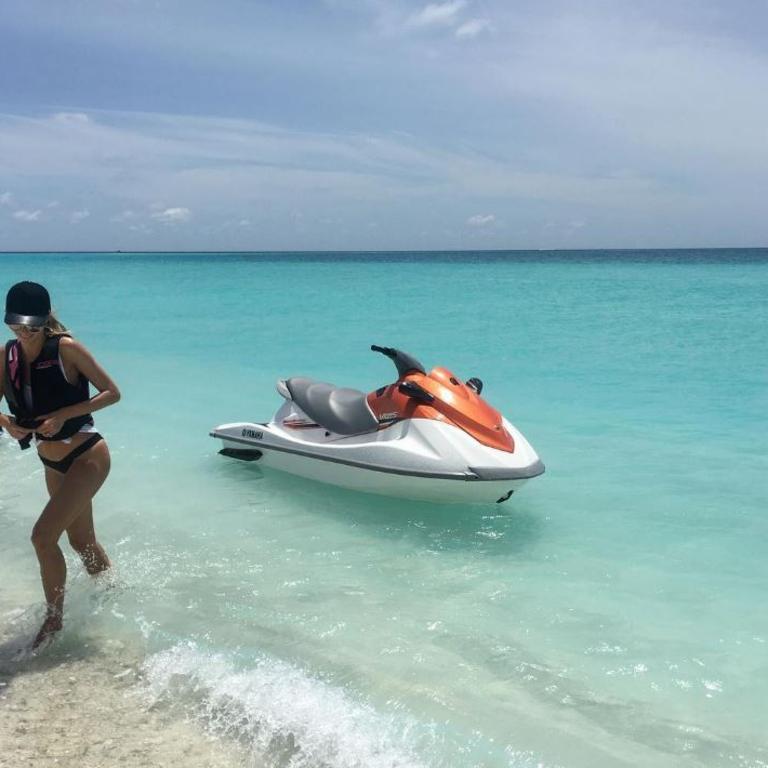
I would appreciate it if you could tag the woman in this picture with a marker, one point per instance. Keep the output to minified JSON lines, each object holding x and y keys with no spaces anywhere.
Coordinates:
{"x":44,"y":376}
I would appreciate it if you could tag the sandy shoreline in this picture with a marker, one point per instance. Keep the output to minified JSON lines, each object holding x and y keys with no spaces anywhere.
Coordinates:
{"x":80,"y":707}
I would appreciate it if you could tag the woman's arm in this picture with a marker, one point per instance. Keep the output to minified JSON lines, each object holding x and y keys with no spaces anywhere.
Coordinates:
{"x":75,"y":355}
{"x":8,"y":423}
{"x":3,"y":417}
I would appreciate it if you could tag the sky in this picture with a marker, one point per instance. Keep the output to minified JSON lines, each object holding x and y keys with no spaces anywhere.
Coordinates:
{"x":382,"y":124}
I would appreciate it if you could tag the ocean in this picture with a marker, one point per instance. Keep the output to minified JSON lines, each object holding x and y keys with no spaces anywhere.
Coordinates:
{"x":612,"y":613}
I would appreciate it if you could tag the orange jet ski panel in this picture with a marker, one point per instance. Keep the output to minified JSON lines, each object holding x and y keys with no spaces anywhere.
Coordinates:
{"x":454,"y":402}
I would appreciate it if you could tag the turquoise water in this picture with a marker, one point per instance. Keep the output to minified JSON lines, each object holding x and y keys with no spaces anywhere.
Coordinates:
{"x":611,"y":614}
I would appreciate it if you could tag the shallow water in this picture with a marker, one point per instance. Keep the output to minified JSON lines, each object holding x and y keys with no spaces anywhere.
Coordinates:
{"x":609,"y":615}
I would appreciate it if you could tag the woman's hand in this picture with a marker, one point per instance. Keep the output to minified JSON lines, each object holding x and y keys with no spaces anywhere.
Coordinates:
{"x":51,"y":425}
{"x":17,"y":433}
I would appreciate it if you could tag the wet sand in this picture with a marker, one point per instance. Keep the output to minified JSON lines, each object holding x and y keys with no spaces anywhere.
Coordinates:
{"x":84,"y":707}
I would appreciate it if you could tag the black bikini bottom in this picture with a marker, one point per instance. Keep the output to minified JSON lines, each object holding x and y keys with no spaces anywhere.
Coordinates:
{"x":64,"y":464}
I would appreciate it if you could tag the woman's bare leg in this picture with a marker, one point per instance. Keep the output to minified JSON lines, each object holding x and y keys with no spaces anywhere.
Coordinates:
{"x":68,"y":501}
{"x":81,"y":533}
{"x":82,"y":538}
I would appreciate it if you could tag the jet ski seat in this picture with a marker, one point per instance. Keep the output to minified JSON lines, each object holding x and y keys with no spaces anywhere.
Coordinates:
{"x":338,"y":409}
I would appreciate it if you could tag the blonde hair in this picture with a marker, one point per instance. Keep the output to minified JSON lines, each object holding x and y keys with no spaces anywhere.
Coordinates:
{"x":54,"y":327}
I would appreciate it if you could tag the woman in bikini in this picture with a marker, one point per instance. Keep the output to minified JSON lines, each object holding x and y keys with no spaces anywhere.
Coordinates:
{"x":45,"y":376}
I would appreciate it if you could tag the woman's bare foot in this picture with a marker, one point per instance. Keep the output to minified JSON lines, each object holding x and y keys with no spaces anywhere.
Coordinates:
{"x":52,"y":624}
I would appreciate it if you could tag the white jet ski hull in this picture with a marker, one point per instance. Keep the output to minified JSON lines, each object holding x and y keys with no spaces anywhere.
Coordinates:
{"x":416,"y":459}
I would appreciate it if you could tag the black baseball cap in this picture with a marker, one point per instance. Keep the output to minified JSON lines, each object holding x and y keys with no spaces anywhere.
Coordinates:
{"x":27,"y":304}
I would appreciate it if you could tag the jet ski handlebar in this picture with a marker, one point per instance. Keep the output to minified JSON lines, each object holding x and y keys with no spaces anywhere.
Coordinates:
{"x":404,"y":362}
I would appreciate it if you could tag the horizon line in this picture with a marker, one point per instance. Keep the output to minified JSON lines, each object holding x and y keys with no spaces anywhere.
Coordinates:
{"x":400,"y":250}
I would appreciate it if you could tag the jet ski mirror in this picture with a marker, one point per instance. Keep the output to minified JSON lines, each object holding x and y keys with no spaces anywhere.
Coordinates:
{"x":476,"y":384}
{"x":404,"y":362}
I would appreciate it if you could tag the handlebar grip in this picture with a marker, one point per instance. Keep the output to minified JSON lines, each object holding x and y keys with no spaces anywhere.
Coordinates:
{"x":412,"y":389}
{"x":403,"y":361}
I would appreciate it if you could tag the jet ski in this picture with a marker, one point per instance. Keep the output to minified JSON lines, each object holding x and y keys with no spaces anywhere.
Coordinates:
{"x":427,"y":436}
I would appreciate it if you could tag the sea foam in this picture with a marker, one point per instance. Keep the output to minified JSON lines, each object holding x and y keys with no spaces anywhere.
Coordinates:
{"x":284,"y":716}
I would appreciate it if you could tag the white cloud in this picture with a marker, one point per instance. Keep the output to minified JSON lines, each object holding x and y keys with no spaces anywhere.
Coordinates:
{"x":437,"y":14}
{"x":78,"y":216}
{"x":6,"y":198}
{"x":472,"y":28}
{"x":660,"y":82}
{"x":78,"y":118}
{"x":481,"y":220}
{"x":124,"y":216}
{"x":173,"y":215}
{"x":28,"y":215}
{"x":142,"y":228}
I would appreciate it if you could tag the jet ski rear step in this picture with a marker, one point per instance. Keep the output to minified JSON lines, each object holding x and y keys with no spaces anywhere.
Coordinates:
{"x":244,"y":454}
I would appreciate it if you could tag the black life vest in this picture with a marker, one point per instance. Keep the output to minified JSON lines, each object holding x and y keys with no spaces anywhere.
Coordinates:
{"x":50,"y":390}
